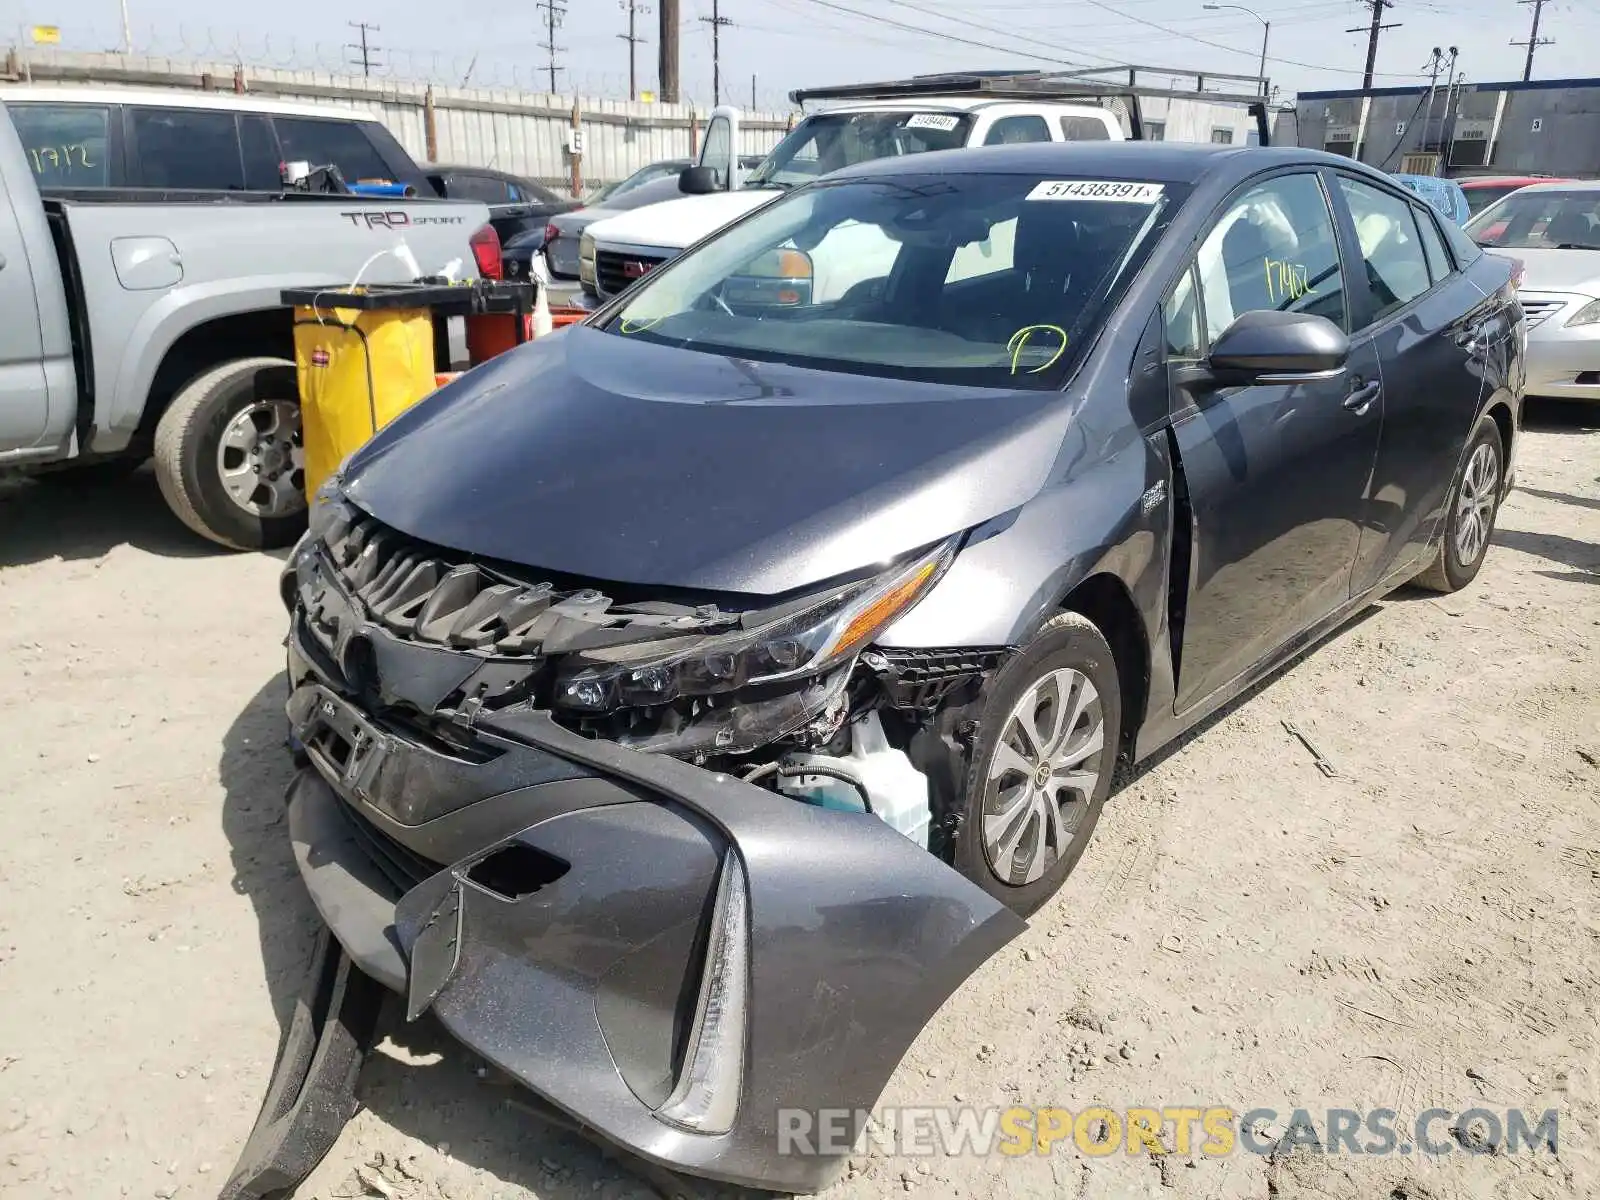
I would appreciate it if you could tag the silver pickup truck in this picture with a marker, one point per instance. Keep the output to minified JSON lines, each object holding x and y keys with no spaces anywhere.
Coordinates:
{"x":140,"y":325}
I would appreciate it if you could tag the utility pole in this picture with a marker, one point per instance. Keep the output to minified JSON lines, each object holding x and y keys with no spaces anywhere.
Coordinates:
{"x":127,"y":30}
{"x":1372,"y":32}
{"x":752,"y":93}
{"x":667,"y":63}
{"x":633,"y":38}
{"x":1434,"y":65}
{"x":555,"y":12}
{"x":716,"y":20}
{"x":363,"y":49}
{"x":1534,"y":40}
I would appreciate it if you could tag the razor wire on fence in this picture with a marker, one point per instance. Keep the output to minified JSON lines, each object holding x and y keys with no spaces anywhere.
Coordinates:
{"x":510,"y":65}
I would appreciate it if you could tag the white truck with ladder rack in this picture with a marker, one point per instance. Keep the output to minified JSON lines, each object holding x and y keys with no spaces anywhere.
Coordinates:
{"x":864,"y":121}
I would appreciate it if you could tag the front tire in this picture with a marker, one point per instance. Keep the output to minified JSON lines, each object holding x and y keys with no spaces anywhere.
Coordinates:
{"x":1042,"y":764}
{"x":229,"y":455}
{"x":1469,"y":518}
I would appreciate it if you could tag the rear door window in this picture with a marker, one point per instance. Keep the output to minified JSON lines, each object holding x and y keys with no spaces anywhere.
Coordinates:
{"x":1028,"y":127}
{"x":68,"y":145}
{"x":186,"y":148}
{"x":1391,"y":248}
{"x":321,"y":143}
{"x":468,"y":185}
{"x":1084,"y":129}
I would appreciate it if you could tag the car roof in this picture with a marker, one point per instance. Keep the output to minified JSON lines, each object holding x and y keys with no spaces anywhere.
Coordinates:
{"x":36,"y":93}
{"x":1479,"y":181}
{"x":1167,"y":162}
{"x":1561,"y":185}
{"x":941,"y":104}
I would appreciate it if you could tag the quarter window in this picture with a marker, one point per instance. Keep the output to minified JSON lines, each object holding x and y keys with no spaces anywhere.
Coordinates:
{"x":1273,"y":247}
{"x":1181,"y":317}
{"x":186,"y":148}
{"x":1396,"y":267}
{"x":67,"y":144}
{"x":1432,"y":245}
{"x":1027,"y":128}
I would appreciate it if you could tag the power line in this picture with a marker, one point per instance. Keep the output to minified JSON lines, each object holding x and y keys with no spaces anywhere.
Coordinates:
{"x":716,"y":20}
{"x":1534,"y":40}
{"x":555,"y":13}
{"x":633,"y":38}
{"x":363,"y":49}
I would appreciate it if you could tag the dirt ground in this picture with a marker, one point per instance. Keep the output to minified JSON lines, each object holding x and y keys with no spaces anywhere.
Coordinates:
{"x":1420,"y":928}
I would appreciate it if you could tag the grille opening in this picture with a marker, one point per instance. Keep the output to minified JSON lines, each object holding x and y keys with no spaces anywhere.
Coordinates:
{"x":517,"y":870}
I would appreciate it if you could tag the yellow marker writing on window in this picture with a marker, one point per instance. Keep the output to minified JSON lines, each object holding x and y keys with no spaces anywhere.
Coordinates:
{"x":1286,"y":280}
{"x":1019,"y":342}
{"x":629,"y":325}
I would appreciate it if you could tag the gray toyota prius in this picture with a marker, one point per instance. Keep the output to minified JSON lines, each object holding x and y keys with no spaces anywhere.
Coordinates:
{"x":689,"y":701}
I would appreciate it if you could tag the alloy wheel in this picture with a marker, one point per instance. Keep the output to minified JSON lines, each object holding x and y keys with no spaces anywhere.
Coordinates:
{"x":1043,"y":773}
{"x":1480,"y":486}
{"x":261,"y":459}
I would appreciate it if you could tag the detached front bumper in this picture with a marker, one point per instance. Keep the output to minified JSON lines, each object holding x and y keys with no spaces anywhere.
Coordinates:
{"x":670,"y":956}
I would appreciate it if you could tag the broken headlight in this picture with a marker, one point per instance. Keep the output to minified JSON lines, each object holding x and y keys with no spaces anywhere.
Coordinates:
{"x":807,"y":638}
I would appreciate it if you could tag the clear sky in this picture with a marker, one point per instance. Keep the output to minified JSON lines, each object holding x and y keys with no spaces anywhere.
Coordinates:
{"x":793,"y":43}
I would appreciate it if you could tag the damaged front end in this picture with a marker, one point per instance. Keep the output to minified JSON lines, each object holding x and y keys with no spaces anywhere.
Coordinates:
{"x":664,"y":861}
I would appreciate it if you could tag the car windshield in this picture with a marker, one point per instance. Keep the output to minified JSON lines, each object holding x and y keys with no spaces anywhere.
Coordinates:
{"x":656,"y":170}
{"x":1480,"y":197}
{"x":1540,"y":220}
{"x":985,"y":280}
{"x":828,"y":141}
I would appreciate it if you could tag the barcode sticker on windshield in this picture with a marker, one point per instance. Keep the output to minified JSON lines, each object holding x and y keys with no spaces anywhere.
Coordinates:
{"x":1097,"y":189}
{"x":943,"y":121}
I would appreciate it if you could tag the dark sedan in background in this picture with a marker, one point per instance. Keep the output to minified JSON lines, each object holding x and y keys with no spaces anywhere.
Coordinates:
{"x":648,"y":185}
{"x":518,"y":207}
{"x":689,"y":702}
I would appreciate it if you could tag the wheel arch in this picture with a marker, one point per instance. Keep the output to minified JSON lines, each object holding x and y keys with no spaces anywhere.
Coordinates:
{"x":257,"y":333}
{"x":1104,"y":599}
{"x":1500,"y":411}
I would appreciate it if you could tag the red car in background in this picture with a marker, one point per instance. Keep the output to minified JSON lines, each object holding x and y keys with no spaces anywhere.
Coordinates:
{"x":1484,"y":190}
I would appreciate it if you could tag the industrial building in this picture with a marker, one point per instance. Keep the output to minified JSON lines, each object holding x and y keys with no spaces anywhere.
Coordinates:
{"x":1541,"y":127}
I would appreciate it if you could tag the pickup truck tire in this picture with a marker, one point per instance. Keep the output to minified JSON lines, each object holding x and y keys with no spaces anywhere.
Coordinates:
{"x":190,"y":454}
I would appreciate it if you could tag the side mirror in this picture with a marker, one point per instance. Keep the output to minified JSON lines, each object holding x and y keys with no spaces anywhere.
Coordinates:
{"x":1268,"y":346}
{"x":698,"y":181}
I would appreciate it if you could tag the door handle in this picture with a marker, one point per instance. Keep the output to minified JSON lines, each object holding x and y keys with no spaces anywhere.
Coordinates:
{"x":1360,"y":399}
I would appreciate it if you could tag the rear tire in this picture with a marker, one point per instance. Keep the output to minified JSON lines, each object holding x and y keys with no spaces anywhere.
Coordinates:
{"x":252,"y":405}
{"x":1041,"y":768}
{"x":1470,"y":513}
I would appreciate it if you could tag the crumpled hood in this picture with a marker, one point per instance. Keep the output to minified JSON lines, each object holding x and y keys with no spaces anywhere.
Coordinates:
{"x":596,"y":455}
{"x":675,"y":224}
{"x":1558,"y":270}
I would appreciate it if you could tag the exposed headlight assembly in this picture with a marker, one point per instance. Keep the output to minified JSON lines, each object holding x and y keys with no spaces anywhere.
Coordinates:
{"x":1587,"y":315}
{"x":800,"y":643}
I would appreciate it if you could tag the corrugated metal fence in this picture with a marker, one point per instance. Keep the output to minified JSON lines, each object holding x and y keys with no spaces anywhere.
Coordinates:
{"x":524,"y":132}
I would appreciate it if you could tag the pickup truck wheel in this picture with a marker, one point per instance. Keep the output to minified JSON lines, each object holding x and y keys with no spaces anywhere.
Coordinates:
{"x":229,"y":455}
